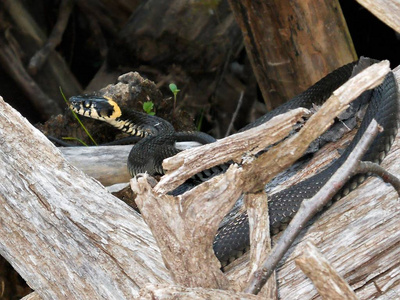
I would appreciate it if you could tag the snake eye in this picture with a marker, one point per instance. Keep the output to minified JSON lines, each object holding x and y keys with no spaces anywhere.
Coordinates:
{"x":87,"y":104}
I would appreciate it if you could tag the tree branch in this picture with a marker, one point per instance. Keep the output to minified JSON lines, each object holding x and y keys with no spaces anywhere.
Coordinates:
{"x":54,"y":39}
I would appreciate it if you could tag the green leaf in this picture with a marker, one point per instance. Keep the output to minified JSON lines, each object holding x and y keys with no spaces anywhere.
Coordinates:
{"x":173,"y":88}
{"x":148,"y":106}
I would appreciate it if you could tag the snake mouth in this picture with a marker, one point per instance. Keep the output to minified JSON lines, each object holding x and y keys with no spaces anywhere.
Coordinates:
{"x":101,"y":108}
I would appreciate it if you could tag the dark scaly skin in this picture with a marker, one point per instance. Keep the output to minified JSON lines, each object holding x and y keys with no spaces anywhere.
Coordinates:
{"x":233,"y":238}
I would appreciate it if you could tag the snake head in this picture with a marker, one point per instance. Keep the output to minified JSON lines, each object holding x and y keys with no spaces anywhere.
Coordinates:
{"x":101,"y":108}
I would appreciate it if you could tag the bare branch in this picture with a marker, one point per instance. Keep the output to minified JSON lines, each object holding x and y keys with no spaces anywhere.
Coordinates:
{"x":14,"y":67}
{"x":190,"y":162}
{"x":367,"y":166}
{"x":239,"y":104}
{"x":257,"y":211}
{"x":187,"y":163}
{"x":40,"y":56}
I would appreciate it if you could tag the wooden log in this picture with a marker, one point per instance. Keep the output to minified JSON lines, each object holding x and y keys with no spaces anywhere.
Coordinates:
{"x":61,"y":230}
{"x":107,"y":164}
{"x":289,"y":43}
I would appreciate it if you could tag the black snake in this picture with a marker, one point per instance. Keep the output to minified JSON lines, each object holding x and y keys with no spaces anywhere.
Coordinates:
{"x":159,"y":138}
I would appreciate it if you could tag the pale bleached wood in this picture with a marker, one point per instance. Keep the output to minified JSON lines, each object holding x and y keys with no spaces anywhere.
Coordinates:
{"x":329,"y":283}
{"x":337,"y":103}
{"x":377,"y":267}
{"x":387,"y":11}
{"x":257,"y":211}
{"x":359,"y":235}
{"x":32,"y":296}
{"x":310,"y":207}
{"x":185,"y":226}
{"x":192,"y":161}
{"x":164,"y":292}
{"x":107,"y":164}
{"x":61,"y":230}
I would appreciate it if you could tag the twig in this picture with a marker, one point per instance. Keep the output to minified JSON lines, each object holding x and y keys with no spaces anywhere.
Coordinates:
{"x":367,"y":166}
{"x":40,"y":56}
{"x":239,"y":104}
{"x":310,"y":207}
{"x":328,"y":282}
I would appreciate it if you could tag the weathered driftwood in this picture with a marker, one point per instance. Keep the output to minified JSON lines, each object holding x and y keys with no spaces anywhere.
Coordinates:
{"x":257,"y":210}
{"x":163,"y":291}
{"x":329,"y":283}
{"x":310,"y":207}
{"x":185,"y":226}
{"x":356,"y":85}
{"x":289,"y":40}
{"x":386,"y":10}
{"x":107,"y":164}
{"x":61,"y":230}
{"x":359,"y":234}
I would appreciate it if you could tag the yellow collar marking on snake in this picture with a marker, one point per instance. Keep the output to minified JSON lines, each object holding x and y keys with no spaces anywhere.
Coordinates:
{"x":116,"y":109}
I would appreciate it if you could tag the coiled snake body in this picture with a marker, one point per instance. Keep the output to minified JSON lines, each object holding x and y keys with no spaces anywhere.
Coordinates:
{"x":160,"y":137}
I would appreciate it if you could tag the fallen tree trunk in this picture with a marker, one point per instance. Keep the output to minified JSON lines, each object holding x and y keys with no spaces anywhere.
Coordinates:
{"x":61,"y":230}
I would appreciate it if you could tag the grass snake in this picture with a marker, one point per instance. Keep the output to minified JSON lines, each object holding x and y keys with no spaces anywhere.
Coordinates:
{"x":159,"y":137}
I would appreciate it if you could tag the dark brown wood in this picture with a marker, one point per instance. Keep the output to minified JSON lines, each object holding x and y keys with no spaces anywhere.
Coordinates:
{"x":28,"y":35}
{"x":292,"y":44}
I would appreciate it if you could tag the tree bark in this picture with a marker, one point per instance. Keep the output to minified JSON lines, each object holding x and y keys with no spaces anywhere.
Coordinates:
{"x":290,"y":43}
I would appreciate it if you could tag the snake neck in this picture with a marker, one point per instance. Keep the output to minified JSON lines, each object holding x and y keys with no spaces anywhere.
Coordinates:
{"x":140,"y":124}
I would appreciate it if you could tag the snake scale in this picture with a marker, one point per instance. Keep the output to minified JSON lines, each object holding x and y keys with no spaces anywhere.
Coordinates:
{"x":232,"y":239}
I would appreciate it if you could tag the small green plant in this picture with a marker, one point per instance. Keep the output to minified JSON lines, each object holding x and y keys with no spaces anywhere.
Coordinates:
{"x":148,"y":107}
{"x":174,"y":90}
{"x":79,"y":121}
{"x":200,"y":120}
